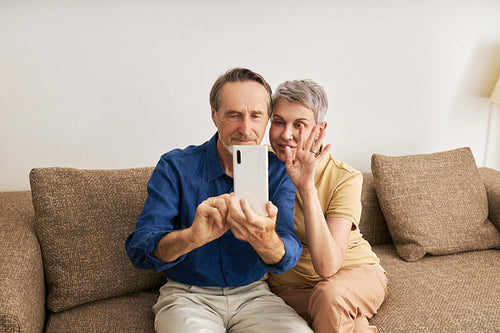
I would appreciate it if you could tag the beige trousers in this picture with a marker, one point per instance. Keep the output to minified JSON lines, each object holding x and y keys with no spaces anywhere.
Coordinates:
{"x":342,"y":303}
{"x":252,"y":308}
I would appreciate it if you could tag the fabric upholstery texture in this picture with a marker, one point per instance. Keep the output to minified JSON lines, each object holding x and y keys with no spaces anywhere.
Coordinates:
{"x":22,"y":304}
{"x":434,"y":203}
{"x":82,"y":220}
{"x":128,"y":313}
{"x":449,"y":293}
{"x":491,"y":180}
{"x":372,"y":223}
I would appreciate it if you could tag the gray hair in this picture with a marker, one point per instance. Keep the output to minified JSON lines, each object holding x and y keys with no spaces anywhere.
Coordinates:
{"x":305,"y":92}
{"x":238,"y":74}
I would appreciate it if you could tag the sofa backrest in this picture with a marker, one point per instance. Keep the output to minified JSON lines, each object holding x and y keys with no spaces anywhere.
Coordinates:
{"x":82,"y":218}
{"x":22,"y":286}
{"x":372,"y":223}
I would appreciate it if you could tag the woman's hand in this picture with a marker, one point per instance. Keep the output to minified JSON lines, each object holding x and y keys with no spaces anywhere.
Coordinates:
{"x":302,"y":166}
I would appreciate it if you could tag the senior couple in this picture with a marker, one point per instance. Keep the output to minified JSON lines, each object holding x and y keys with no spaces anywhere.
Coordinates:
{"x":304,"y":267}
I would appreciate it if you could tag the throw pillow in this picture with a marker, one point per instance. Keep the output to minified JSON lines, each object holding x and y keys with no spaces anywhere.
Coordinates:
{"x":82,"y":220}
{"x":434,"y":203}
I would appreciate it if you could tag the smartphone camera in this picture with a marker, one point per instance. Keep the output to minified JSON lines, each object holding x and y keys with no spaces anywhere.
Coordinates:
{"x":238,"y":156}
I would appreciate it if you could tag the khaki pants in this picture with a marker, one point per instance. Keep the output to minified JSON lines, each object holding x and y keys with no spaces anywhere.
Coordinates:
{"x":252,"y":308}
{"x":342,"y":303}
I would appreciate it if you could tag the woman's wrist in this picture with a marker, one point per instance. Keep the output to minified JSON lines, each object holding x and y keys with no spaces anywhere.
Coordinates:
{"x":307,"y":191}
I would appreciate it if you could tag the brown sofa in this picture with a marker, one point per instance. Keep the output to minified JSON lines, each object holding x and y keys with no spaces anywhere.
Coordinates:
{"x":64,"y":268}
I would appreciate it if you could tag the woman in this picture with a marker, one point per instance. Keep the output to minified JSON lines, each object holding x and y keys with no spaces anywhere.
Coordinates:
{"x":338,"y":282}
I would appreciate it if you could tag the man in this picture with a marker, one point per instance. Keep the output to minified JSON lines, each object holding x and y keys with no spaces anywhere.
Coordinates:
{"x":214,"y":250}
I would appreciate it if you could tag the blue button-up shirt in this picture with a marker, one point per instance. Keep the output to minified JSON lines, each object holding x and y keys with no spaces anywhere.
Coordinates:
{"x":182,"y":179}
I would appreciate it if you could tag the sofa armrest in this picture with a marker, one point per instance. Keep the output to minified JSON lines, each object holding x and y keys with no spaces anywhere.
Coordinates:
{"x":22,"y":289}
{"x":491,"y":179}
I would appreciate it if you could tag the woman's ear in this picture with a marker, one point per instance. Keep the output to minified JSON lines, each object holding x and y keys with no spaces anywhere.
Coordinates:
{"x":323,"y":125}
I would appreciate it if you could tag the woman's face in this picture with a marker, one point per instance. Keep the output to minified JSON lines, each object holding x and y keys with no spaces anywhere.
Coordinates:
{"x":288,"y":118}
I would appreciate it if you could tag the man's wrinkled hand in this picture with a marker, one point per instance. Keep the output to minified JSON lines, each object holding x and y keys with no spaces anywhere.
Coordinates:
{"x":210,"y":221}
{"x":258,"y":230}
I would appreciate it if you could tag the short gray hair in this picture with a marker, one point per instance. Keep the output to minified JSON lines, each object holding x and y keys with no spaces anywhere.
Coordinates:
{"x":238,"y":74}
{"x":305,"y":92}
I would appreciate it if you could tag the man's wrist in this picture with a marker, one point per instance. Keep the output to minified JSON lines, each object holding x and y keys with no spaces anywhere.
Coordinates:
{"x":272,"y":252}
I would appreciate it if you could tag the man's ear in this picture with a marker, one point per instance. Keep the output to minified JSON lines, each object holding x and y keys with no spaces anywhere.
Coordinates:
{"x":214,"y":117}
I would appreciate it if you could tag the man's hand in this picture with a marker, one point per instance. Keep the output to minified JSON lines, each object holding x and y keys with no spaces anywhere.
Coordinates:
{"x":209,"y":223}
{"x":210,"y":220}
{"x":259,"y":231}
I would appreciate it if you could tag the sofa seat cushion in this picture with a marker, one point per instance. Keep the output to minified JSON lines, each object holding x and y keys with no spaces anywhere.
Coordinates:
{"x":130,"y":313}
{"x":458,"y":292}
{"x":82,"y":220}
{"x":434,"y":203}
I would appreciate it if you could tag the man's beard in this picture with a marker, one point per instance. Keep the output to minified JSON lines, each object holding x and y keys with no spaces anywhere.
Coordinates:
{"x":229,"y":147}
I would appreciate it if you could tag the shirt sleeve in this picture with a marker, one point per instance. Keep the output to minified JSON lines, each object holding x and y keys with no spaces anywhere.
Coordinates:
{"x":283,"y":199}
{"x":156,"y":219}
{"x":346,"y":199}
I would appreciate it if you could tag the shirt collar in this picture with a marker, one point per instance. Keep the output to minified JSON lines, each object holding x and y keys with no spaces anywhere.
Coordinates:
{"x":214,"y":165}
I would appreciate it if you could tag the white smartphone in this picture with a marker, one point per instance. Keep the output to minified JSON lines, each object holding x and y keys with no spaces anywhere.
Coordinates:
{"x":250,"y":167}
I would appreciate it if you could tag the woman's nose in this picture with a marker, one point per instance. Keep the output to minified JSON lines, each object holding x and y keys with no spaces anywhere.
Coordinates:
{"x":287,"y":133}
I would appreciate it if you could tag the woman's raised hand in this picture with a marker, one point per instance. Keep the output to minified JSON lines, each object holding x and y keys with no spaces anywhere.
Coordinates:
{"x":302,"y":166}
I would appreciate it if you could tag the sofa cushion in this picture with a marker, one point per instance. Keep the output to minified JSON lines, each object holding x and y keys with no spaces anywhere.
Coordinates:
{"x":129,"y":313}
{"x":82,"y":220}
{"x":22,"y":294}
{"x":452,"y":293}
{"x":434,"y":203}
{"x":491,"y":179}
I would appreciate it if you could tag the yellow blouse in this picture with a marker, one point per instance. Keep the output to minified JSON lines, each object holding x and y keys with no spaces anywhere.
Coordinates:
{"x":339,"y":191}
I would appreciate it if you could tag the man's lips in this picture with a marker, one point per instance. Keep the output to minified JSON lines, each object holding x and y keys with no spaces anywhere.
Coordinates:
{"x":243,"y":141}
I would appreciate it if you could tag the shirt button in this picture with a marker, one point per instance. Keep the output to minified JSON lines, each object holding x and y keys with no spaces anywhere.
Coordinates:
{"x":225,"y":246}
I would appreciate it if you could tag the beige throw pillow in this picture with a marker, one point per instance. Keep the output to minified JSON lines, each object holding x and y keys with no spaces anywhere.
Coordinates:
{"x":434,"y":203}
{"x":82,"y":220}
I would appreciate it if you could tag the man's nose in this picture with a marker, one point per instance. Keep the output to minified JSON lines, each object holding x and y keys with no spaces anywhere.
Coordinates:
{"x":245,"y":125}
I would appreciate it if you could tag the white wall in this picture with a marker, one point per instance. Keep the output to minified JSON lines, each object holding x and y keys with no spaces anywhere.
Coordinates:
{"x":114,"y":84}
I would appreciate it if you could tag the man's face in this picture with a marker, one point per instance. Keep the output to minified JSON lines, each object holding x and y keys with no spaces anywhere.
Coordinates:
{"x":242,"y":116}
{"x":287,"y":119}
